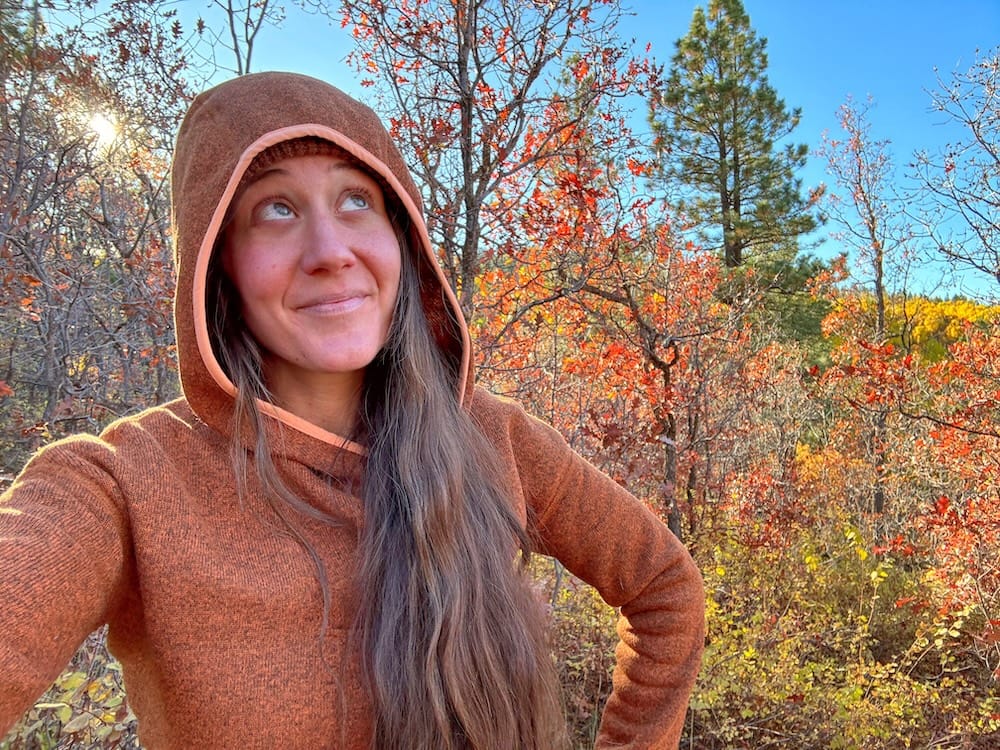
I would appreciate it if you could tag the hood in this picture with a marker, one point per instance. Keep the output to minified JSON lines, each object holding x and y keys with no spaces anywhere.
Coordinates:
{"x":224,"y":129}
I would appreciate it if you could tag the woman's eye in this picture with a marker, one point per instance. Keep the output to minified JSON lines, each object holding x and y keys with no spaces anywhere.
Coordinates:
{"x":356,"y":202}
{"x":274,"y":211}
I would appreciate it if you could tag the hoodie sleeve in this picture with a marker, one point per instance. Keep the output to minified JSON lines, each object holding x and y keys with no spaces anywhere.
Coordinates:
{"x":611,"y":540}
{"x":63,"y":542}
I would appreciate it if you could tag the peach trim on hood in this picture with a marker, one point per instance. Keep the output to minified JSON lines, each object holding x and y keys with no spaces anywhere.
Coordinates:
{"x":211,"y":234}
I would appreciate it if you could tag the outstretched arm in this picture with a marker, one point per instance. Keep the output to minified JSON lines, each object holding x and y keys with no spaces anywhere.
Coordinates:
{"x":63,"y":542}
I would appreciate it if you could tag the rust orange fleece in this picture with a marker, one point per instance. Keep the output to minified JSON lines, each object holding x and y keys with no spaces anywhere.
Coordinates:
{"x":213,"y":610}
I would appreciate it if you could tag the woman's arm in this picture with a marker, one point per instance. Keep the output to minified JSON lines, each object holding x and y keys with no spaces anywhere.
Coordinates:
{"x":611,"y":540}
{"x":63,"y":551}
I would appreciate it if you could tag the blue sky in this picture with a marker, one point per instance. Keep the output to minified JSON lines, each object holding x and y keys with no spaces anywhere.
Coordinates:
{"x":818,"y":54}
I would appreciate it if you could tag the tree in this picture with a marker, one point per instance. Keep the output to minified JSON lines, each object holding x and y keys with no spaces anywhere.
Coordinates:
{"x":869,"y":216}
{"x":719,"y":125}
{"x":481,"y":91}
{"x":864,"y":207}
{"x":85,"y":319}
{"x":958,"y":458}
{"x":959,"y":187}
{"x":243,"y":24}
{"x":631,"y":350}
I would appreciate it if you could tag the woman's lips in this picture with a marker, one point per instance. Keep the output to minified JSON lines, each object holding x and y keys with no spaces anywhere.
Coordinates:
{"x":335,"y":304}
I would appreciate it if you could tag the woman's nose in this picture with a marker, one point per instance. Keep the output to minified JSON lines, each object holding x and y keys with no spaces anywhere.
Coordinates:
{"x":327,"y":244}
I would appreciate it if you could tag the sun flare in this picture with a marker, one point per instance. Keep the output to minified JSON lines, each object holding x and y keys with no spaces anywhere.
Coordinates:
{"x":104,"y":128}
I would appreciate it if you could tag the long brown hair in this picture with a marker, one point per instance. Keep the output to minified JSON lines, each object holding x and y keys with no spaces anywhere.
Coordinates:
{"x":451,"y":634}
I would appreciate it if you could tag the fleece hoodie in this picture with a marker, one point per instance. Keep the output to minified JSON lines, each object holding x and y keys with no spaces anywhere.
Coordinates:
{"x":213,"y":611}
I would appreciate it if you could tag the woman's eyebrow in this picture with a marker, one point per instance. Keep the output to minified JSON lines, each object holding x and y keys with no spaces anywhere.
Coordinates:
{"x":268,"y":172}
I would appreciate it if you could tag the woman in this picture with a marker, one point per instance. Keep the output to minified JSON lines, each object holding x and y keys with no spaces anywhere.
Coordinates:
{"x":317,"y":545}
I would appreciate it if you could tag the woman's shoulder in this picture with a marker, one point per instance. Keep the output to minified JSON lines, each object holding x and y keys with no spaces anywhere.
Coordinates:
{"x":507,"y":424}
{"x":153,"y":434}
{"x":490,"y":410}
{"x":172,"y":423}
{"x":159,"y":447}
{"x":151,"y":420}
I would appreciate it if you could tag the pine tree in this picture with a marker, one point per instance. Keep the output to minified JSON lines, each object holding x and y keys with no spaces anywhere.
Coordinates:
{"x":719,"y":127}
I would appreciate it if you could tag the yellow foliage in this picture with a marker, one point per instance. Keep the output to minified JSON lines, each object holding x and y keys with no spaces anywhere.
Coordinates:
{"x":828,"y":643}
{"x":942,"y":321}
{"x":818,"y":471}
{"x":928,"y":325}
{"x":85,"y":707}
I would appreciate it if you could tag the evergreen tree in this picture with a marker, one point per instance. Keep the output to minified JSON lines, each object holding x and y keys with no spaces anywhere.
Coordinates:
{"x":719,"y":125}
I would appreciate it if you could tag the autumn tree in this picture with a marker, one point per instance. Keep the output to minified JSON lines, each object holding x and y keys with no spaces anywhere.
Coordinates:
{"x":956,"y":462}
{"x":91,"y":100}
{"x":475,"y":91}
{"x":868,"y":215}
{"x":638,"y":351}
{"x":919,"y":376}
{"x":720,"y":128}
{"x":959,"y":185}
{"x":84,"y":218}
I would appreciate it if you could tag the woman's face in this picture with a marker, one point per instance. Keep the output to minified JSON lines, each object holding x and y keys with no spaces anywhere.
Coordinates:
{"x":315,"y":259}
